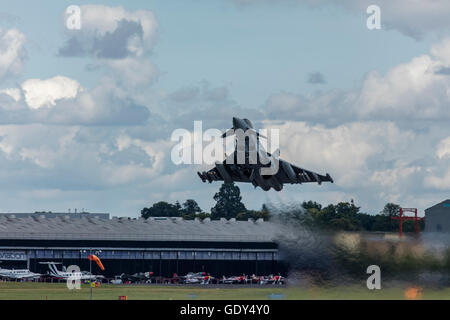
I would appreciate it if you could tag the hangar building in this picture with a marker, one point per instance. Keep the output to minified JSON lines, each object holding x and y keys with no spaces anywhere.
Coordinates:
{"x":437,"y":217}
{"x":161,"y":245}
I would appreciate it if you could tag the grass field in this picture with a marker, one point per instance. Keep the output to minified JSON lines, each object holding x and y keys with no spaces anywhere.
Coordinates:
{"x":59,"y":291}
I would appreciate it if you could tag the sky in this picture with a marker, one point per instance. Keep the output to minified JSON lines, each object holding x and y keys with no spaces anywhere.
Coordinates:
{"x":86,"y":115}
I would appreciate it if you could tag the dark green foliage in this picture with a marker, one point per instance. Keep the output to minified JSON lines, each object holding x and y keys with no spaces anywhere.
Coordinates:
{"x":228,"y":202}
{"x":343,"y":216}
{"x":391,"y":210}
{"x":311,"y":205}
{"x":254,"y":214}
{"x":190,"y":207}
{"x":189,"y":210}
{"x":346,"y":216}
{"x":161,"y":209}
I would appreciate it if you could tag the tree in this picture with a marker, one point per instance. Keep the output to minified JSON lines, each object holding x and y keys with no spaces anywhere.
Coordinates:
{"x":310,"y":214}
{"x":191,"y":210}
{"x":178,"y":205}
{"x":191,"y":206}
{"x":254,"y":214}
{"x":228,"y":202}
{"x":384,"y":223}
{"x":311,"y":205}
{"x":390,"y":210}
{"x":202,"y":215}
{"x":162,"y":209}
{"x":343,"y":216}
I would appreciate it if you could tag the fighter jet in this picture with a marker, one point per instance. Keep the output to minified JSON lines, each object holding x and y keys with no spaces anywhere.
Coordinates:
{"x":265,"y":170}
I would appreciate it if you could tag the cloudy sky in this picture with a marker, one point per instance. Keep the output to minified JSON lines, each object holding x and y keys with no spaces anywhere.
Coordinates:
{"x":86,"y":115}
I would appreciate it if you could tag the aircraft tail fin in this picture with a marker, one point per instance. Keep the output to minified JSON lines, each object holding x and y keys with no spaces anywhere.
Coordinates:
{"x":52,"y":266}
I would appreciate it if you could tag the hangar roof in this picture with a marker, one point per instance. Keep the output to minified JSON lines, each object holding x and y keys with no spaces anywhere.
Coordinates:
{"x":49,"y":214}
{"x":443,"y":204}
{"x":153,"y":229}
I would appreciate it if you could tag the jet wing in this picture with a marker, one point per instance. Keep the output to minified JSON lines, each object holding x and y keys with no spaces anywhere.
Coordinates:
{"x":289,"y":173}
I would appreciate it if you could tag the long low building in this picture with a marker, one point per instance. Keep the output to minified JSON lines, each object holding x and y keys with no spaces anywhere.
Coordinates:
{"x":161,"y":245}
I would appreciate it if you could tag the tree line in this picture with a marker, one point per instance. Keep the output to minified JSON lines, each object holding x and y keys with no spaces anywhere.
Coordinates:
{"x":347,"y":216}
{"x":342,"y":216}
{"x":228,"y":205}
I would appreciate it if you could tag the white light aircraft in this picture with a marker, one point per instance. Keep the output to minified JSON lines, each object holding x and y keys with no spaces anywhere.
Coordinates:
{"x":82,"y":275}
{"x":18,"y":274}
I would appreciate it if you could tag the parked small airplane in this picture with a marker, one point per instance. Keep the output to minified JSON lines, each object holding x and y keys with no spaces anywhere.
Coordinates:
{"x":18,"y":274}
{"x":192,"y":278}
{"x":199,"y":277}
{"x":133,"y":278}
{"x":82,"y":275}
{"x":234,"y":280}
{"x":271,"y":279}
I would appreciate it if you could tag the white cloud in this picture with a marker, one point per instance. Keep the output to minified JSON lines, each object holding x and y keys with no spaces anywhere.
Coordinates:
{"x":12,"y":52}
{"x":348,"y":152}
{"x":397,"y":184}
{"x":438,"y":176}
{"x":157,"y":151}
{"x":415,"y":90}
{"x":63,"y":153}
{"x":443,"y":149}
{"x":99,"y":20}
{"x":44,"y":93}
{"x":442,"y":51}
{"x":373,"y":162}
{"x":37,"y":143}
{"x":62,"y":100}
{"x":5,"y":147}
{"x":125,"y":174}
{"x":413,"y":18}
{"x":133,"y":72}
{"x":111,"y":33}
{"x":118,"y":41}
{"x":14,"y":93}
{"x":332,"y":107}
{"x":440,"y":182}
{"x":394,"y":177}
{"x":41,"y":156}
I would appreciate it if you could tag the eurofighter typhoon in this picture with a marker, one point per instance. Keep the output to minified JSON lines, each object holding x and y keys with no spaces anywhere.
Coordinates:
{"x":251,"y":163}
